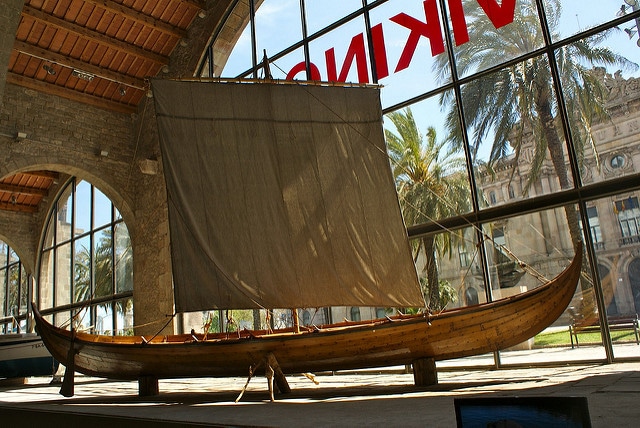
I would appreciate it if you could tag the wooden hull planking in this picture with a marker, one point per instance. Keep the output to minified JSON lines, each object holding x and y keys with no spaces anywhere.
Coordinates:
{"x":395,"y":341}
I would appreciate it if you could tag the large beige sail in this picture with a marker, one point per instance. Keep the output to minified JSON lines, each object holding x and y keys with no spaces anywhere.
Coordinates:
{"x":280,"y":196}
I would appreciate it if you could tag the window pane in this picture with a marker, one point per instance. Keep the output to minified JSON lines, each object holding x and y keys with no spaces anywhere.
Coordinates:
{"x":277,"y":26}
{"x":628,"y":215}
{"x":619,"y":272}
{"x":342,"y":55}
{"x":600,"y":92}
{"x":460,"y":280}
{"x":3,"y":288}
{"x":4,"y":254}
{"x":430,"y":174}
{"x":13,"y":303}
{"x":24,"y":291}
{"x":322,"y":13}
{"x":102,"y":209}
{"x":542,"y":240}
{"x":124,"y":319}
{"x":82,"y":270}
{"x":13,"y":257}
{"x":527,"y":251}
{"x":64,"y":214}
{"x":63,"y":272}
{"x":123,"y":259}
{"x":488,"y":46}
{"x":82,"y":320}
{"x":45,"y":280}
{"x":515,"y":139}
{"x":49,"y":234}
{"x":576,"y":16}
{"x":403,"y":68}
{"x":83,"y":208}
{"x":103,"y":254}
{"x":104,"y":319}
{"x":594,"y":226}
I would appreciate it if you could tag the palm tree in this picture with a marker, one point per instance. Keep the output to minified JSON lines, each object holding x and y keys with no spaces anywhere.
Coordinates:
{"x":103,"y":270}
{"x":432,"y":184}
{"x":520,"y":97}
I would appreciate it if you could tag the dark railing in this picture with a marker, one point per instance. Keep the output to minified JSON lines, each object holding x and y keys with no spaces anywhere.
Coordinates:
{"x":629,"y":240}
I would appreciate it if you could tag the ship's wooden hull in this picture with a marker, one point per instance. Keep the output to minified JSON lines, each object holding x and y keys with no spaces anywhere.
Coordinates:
{"x":395,"y":341}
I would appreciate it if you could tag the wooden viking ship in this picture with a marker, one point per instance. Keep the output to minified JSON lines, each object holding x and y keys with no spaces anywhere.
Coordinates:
{"x":281,"y":196}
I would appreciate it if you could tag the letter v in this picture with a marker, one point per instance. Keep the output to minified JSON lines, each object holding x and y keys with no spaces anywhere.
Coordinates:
{"x":500,"y":15}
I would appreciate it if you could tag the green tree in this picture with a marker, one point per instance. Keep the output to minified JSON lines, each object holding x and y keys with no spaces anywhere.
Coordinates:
{"x":432,"y":184}
{"x":103,"y":270}
{"x":520,"y":98}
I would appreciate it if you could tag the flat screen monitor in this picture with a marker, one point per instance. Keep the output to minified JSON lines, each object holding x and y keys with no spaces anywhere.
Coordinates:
{"x":522,"y":412}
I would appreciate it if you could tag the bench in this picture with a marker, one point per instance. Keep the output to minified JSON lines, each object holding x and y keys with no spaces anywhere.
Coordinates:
{"x":616,"y":323}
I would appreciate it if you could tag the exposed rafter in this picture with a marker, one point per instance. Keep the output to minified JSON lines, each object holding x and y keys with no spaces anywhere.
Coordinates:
{"x":22,"y":190}
{"x":7,"y":206}
{"x":75,"y":64}
{"x":94,"y":35}
{"x":138,"y":17}
{"x":44,"y":174}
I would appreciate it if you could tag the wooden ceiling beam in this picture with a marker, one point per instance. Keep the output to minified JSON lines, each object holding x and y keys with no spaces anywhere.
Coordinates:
{"x":200,"y":4}
{"x":65,"y":61}
{"x":69,"y":94}
{"x":44,"y":174}
{"x":93,"y":35}
{"x":139,"y":17}
{"x":4,"y":206}
{"x":22,"y":190}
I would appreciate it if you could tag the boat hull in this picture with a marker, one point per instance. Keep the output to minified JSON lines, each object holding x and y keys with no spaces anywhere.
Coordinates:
{"x":25,"y":355}
{"x":394,"y":341}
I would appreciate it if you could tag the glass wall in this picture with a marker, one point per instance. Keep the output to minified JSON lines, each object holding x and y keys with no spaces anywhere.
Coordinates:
{"x":86,"y":263}
{"x":524,"y":117}
{"x":14,"y":292}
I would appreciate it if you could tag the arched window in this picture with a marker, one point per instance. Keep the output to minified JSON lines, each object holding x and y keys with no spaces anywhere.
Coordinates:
{"x":86,"y":263}
{"x":14,"y":294}
{"x":355,"y":313}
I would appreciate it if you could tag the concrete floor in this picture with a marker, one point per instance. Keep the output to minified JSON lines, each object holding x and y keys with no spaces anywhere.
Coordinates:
{"x":366,"y":398}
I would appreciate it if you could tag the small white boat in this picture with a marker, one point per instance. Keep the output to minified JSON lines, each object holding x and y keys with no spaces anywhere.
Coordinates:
{"x":24,"y":355}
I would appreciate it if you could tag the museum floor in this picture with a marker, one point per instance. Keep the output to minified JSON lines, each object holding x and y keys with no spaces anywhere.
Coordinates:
{"x":365,"y":398}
